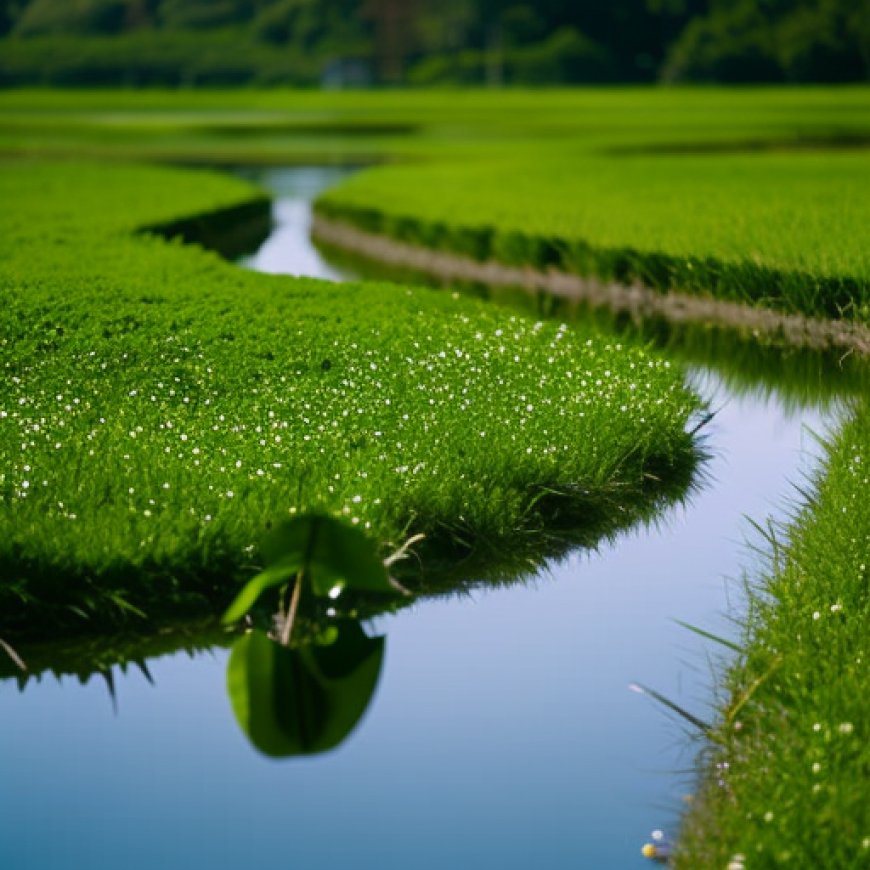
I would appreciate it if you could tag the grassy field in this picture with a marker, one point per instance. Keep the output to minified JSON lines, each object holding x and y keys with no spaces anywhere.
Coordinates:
{"x":275,"y":126}
{"x":172,"y":464}
{"x":750,"y":364}
{"x":160,"y":406}
{"x":783,"y":230}
{"x":756,"y":196}
{"x":786,"y":784}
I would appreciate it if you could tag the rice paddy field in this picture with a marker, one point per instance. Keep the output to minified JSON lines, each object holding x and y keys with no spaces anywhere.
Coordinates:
{"x":161,"y":407}
{"x":715,"y":192}
{"x":748,"y":228}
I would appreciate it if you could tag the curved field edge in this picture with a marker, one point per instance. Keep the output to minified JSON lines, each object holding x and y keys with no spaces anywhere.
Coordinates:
{"x":782,"y":231}
{"x":784,"y":780}
{"x":160,"y":407}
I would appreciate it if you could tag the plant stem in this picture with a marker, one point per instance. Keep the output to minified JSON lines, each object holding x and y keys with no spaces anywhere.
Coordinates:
{"x":294,"y":606}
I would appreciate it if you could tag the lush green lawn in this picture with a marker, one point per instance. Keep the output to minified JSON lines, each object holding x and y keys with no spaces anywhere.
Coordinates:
{"x":160,"y":406}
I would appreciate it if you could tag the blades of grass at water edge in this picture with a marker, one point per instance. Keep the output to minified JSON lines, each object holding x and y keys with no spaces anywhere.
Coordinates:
{"x":671,"y":705}
{"x":709,"y":635}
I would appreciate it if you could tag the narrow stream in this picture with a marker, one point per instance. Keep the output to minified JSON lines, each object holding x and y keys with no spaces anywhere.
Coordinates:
{"x":503,"y":732}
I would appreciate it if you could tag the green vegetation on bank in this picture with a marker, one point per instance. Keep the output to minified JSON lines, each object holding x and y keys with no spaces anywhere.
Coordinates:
{"x":786,"y":783}
{"x":160,"y":407}
{"x":789,"y":231}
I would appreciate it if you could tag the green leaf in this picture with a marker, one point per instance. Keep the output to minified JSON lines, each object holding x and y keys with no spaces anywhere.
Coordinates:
{"x":275,"y":575}
{"x":332,"y":553}
{"x":303,"y":701}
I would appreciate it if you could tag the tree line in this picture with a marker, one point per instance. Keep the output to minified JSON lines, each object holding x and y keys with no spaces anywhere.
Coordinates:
{"x":432,"y":42}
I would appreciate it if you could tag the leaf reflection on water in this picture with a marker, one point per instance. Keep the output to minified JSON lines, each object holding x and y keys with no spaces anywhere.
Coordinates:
{"x":307,"y":700}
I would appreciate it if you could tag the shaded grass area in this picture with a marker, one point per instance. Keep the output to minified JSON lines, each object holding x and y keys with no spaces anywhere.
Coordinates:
{"x":785,"y":231}
{"x":160,"y":407}
{"x":786,"y":783}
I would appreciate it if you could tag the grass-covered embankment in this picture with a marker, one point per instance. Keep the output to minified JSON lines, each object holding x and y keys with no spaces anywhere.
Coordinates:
{"x":786,"y":231}
{"x":786,"y":783}
{"x":160,"y":406}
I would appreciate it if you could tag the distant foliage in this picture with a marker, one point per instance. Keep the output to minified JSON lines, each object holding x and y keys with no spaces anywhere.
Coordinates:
{"x":150,"y":58}
{"x":40,"y":17}
{"x":499,"y":42}
{"x":805,"y":41}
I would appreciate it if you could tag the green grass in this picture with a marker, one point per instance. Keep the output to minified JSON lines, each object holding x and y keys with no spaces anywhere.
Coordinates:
{"x":786,"y":784}
{"x":160,"y":406}
{"x":758,"y":195}
{"x":761,"y":367}
{"x":785,"y":230}
{"x":621,"y":183}
{"x":282,"y":125}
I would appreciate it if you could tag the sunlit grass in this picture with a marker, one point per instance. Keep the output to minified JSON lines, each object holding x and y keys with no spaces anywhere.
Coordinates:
{"x":621,"y":183}
{"x":784,"y":230}
{"x":159,"y":407}
{"x":432,"y":123}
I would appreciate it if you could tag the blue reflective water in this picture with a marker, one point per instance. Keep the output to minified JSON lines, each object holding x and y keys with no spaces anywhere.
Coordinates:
{"x":503,"y":733}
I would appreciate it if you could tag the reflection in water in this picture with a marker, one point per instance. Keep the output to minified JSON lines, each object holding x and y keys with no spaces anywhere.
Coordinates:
{"x":305,"y":700}
{"x":86,"y":657}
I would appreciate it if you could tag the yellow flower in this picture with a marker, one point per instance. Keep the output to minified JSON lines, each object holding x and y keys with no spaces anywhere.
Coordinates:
{"x":649,"y":851}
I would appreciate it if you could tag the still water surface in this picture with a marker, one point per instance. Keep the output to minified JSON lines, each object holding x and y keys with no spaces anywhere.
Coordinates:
{"x":502,"y":734}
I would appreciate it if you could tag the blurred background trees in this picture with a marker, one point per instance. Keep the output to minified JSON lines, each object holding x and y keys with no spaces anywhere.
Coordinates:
{"x":389,"y":42}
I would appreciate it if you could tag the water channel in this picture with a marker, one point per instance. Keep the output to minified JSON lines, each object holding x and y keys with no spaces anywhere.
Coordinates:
{"x":503,"y":732}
